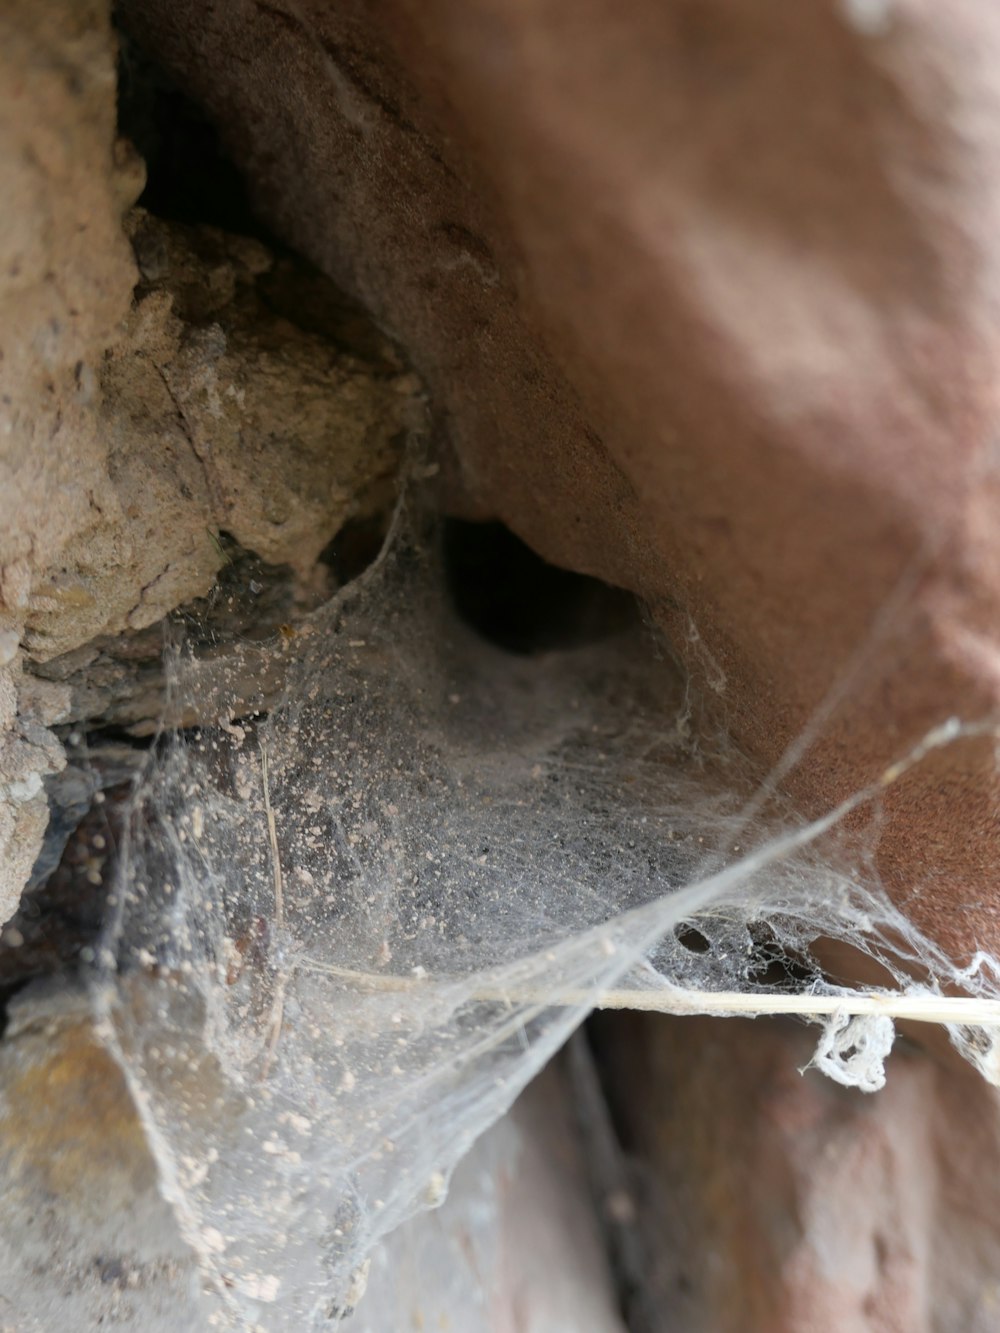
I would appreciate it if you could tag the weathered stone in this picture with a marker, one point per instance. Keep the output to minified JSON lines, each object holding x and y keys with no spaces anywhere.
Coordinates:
{"x":65,"y":283}
{"x":218,"y":415}
{"x":87,"y":1239}
{"x":772,"y":1201}
{"x":134,"y":431}
{"x":704,"y":293}
{"x":515,"y":1245}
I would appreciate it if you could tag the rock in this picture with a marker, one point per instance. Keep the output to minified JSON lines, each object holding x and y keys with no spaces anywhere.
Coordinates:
{"x":66,"y":279}
{"x":66,"y":276}
{"x":136,"y":430}
{"x":28,"y":753}
{"x":703,"y":294}
{"x":87,"y":1239}
{"x":771,"y":1200}
{"x":515,"y":1245}
{"x":263,"y":431}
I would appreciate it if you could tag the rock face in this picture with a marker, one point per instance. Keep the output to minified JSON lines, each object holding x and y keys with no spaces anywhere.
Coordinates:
{"x":705,"y":294}
{"x":134,"y":430}
{"x":515,"y":1245}
{"x":65,"y":285}
{"x":218,"y":415}
{"x":88,"y":1240}
{"x":770,"y":1201}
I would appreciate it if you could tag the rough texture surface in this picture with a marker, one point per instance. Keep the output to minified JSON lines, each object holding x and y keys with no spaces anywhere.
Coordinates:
{"x":134,"y":430}
{"x":705,"y":294}
{"x":772,"y":1202}
{"x":88,"y":1242}
{"x":66,"y":278}
{"x":218,"y":415}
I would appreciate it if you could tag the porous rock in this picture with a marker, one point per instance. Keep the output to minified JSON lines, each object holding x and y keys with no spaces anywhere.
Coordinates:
{"x":153,"y":396}
{"x":66,"y":277}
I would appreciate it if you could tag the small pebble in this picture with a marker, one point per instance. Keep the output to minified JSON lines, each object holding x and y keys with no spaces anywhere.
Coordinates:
{"x":9,"y":643}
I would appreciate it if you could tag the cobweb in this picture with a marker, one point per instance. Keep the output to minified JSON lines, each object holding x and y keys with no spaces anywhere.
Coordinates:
{"x":346,"y":935}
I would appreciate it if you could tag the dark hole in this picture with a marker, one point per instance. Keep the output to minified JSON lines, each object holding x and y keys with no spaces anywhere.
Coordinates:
{"x":520,"y":602}
{"x":691,"y":939}
{"x":355,"y":547}
{"x":190,"y":177}
{"x":772,"y":965}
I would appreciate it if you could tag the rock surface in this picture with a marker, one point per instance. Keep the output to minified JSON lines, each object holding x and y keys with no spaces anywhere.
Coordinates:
{"x":515,"y":1245}
{"x":137,"y":428}
{"x":705,"y":294}
{"x":218,"y":415}
{"x":66,"y":277}
{"x":89,"y":1242}
{"x":772,"y":1202}
{"x":87,"y":1239}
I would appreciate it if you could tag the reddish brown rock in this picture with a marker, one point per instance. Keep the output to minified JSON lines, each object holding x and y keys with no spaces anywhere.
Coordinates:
{"x":705,"y":293}
{"x":772,"y":1202}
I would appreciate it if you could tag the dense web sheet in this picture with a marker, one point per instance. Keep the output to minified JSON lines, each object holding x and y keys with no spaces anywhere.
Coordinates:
{"x":347,"y":935}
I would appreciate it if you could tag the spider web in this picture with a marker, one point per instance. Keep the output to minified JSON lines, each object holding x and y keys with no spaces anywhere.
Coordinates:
{"x":347,"y":934}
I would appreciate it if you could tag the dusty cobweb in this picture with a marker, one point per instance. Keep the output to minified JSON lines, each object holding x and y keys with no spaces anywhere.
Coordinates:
{"x":346,"y":935}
